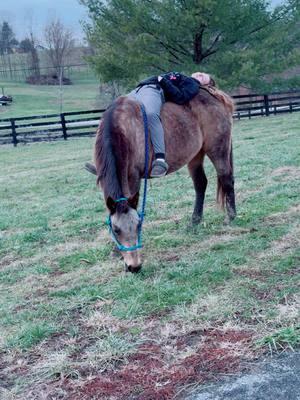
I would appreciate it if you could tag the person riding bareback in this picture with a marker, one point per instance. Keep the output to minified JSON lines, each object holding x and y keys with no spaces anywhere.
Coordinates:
{"x":153,"y":92}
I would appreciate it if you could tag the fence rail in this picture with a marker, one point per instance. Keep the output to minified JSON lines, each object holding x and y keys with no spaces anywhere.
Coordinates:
{"x":83,"y":123}
{"x":21,"y":72}
{"x":253,"y":105}
{"x":49,"y":127}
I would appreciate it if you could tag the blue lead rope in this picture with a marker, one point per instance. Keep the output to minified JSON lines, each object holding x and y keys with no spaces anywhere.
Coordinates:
{"x":146,"y":129}
{"x":141,"y":214}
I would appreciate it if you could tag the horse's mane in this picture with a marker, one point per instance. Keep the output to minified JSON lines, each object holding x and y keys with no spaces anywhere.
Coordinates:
{"x":105,"y":156}
{"x":222,"y":97}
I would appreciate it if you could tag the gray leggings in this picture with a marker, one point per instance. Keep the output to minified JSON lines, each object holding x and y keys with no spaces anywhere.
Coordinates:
{"x":152,"y":99}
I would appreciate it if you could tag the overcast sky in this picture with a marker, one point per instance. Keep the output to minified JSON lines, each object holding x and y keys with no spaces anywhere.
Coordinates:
{"x":19,"y":13}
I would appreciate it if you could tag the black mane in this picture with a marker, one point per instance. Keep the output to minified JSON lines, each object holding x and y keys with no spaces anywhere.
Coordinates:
{"x":105,"y":157}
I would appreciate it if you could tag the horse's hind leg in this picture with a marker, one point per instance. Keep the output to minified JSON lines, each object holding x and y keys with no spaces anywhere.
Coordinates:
{"x":226,"y":187}
{"x":224,"y":166}
{"x":200,"y":182}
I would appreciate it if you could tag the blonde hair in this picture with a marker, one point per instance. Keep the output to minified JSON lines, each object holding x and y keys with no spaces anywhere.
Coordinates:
{"x":202,"y":77}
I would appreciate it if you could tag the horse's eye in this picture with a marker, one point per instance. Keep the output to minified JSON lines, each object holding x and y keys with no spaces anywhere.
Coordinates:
{"x":117,"y":231}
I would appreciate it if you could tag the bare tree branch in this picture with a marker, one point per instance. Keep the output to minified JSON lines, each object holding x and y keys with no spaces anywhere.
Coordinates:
{"x":60,"y":42}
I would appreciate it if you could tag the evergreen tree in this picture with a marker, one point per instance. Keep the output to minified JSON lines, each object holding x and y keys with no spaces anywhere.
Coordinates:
{"x":26,"y":45}
{"x":237,"y":41}
{"x":7,"y":39}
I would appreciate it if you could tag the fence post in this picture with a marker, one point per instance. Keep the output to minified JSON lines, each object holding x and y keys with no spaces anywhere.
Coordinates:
{"x":266,"y":103}
{"x":63,"y":125}
{"x":14,"y":132}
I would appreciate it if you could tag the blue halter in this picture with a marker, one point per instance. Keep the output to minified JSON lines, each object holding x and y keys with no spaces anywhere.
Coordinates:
{"x":141,"y":213}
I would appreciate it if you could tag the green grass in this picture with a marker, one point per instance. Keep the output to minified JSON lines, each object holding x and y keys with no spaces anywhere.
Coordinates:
{"x":289,"y":336}
{"x":28,"y":100}
{"x":31,"y":335}
{"x":66,"y":300}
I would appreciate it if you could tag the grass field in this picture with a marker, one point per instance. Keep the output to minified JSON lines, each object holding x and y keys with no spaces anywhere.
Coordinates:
{"x":83,"y":94}
{"x":74,"y":326}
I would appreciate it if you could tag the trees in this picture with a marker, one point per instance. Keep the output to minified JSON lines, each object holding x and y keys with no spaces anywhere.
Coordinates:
{"x":237,"y":41}
{"x":60,"y":42}
{"x":25,"y":45}
{"x":29,"y":46}
{"x":7,"y":41}
{"x":34,"y":56}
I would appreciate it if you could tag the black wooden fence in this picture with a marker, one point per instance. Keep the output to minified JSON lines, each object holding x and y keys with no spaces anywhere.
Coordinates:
{"x":84,"y":123}
{"x":252,"y":105}
{"x":49,"y":127}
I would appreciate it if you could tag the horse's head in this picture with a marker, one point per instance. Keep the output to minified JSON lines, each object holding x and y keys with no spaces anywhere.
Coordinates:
{"x":125,"y":229}
{"x":125,"y":226}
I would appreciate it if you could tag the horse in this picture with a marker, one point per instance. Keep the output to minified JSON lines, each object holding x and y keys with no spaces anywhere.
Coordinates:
{"x":197,"y":129}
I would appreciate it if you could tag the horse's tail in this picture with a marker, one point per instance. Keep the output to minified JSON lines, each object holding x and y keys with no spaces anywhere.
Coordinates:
{"x":221,"y":195}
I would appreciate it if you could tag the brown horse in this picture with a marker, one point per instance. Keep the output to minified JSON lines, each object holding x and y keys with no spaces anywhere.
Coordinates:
{"x":201,"y":127}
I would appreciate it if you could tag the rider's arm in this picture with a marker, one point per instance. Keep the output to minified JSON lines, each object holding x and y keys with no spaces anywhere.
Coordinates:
{"x":180,"y":91}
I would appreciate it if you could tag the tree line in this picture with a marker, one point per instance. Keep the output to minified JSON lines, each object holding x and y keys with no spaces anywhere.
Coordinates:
{"x":240,"y":42}
{"x":58,"y":44}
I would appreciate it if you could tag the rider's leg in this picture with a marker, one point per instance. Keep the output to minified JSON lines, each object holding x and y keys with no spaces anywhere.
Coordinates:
{"x":153,"y":99}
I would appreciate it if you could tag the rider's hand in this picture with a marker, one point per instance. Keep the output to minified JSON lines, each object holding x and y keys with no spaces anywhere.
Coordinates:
{"x":159,"y":78}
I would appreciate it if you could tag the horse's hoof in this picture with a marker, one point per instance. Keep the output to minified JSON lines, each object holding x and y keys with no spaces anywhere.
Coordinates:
{"x":196,"y":220}
{"x":228,"y":219}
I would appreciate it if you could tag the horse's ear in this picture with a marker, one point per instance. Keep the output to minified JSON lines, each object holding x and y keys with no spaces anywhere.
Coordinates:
{"x":111,"y":205}
{"x":134,"y":200}
{"x":90,"y":168}
{"x":212,"y":82}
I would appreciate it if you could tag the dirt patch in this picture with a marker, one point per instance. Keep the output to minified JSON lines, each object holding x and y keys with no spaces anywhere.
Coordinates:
{"x":282,"y":217}
{"x":149,"y":374}
{"x":47,"y":80}
{"x":9,"y":260}
{"x":287,"y":173}
{"x":287,"y":243}
{"x":289,"y":307}
{"x":219,"y":238}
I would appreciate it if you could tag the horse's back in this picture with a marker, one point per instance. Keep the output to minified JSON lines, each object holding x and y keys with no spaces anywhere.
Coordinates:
{"x":187,"y":128}
{"x":202,"y":124}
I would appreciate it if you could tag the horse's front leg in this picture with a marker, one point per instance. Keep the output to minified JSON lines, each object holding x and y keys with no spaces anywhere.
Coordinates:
{"x":200,"y":182}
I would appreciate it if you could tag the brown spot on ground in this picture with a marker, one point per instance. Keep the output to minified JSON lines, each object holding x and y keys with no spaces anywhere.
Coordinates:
{"x":8,"y":260}
{"x":288,"y":242}
{"x":287,"y":173}
{"x":170,"y":257}
{"x":220,"y":237}
{"x":150,"y":374}
{"x":279,"y":218}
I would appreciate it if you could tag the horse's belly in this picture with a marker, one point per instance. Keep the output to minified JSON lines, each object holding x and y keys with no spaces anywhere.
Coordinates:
{"x":183,"y":136}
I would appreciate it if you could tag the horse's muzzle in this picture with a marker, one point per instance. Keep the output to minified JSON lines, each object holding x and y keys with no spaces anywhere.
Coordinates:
{"x":134,"y":270}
